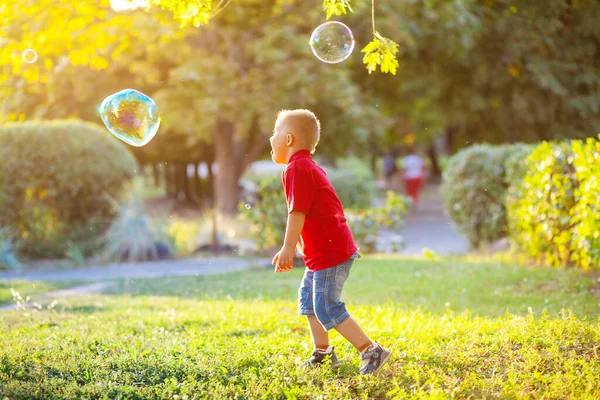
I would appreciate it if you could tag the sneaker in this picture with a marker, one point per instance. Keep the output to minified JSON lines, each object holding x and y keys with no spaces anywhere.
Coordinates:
{"x":374,"y":358}
{"x":317,"y":358}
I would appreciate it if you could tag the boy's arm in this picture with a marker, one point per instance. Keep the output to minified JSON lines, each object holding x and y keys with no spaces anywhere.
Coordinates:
{"x":295,"y":222}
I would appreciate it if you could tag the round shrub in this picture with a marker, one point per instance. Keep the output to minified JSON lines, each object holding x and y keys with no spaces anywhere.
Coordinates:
{"x":473,"y":187}
{"x":55,"y":181}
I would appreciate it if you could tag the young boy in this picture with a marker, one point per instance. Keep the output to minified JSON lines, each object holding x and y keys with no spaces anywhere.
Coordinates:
{"x":316,"y":225}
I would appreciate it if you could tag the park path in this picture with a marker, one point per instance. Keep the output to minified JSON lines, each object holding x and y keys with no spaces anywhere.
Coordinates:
{"x":154,"y":269}
{"x":104,"y":276}
{"x":429,"y":227}
{"x":426,"y":227}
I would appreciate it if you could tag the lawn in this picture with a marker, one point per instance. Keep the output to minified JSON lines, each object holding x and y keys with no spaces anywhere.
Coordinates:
{"x":25,"y":288}
{"x":457,"y":329}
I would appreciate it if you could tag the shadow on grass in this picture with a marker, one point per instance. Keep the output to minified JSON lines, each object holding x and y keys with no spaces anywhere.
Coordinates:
{"x":80,"y":309}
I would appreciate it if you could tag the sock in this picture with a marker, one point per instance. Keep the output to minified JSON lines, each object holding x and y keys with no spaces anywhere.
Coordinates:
{"x":369,"y":348}
{"x":329,"y":350}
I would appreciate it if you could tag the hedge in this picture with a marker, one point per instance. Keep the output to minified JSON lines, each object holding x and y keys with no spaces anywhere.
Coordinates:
{"x":554,"y":211}
{"x":54,"y":181}
{"x":474,"y":186}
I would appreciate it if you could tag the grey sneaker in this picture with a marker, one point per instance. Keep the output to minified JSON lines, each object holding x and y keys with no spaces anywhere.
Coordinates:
{"x":317,"y":358}
{"x":374,"y":359}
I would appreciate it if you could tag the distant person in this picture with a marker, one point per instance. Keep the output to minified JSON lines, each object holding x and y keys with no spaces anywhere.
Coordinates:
{"x":389,"y":168}
{"x":316,"y":225}
{"x":413,"y":174}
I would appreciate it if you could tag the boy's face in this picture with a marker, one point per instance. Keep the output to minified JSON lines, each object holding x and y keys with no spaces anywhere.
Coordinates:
{"x":279,"y":145}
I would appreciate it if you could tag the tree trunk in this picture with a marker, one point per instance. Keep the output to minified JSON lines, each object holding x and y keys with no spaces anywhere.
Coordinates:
{"x":226,"y":183}
{"x":233,"y":158}
{"x":198,"y":192}
{"x":436,"y":171}
{"x":211,"y":183}
{"x":156,"y":173}
{"x":169,"y":181}
{"x":187,"y":190}
{"x":450,"y":145}
{"x":181,"y":181}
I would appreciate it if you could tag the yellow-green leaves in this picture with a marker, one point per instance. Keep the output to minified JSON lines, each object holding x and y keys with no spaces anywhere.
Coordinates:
{"x":336,"y":7}
{"x":188,"y":12}
{"x":381,"y":51}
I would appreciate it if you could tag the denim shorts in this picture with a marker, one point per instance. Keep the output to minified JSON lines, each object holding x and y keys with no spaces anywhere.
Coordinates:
{"x":320,"y":292}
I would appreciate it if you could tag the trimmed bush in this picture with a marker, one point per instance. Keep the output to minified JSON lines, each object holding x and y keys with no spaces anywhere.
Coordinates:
{"x":55,"y":178}
{"x":473,"y":187}
{"x":554,"y":211}
{"x":354,"y":183}
{"x":586,"y":214}
{"x":353,"y":190}
{"x":267,"y":214}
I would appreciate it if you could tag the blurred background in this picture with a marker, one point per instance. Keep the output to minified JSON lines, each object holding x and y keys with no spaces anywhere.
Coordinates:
{"x":470,"y":72}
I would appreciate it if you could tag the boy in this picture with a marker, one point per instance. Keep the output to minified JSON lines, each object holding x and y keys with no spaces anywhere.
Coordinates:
{"x":316,"y":225}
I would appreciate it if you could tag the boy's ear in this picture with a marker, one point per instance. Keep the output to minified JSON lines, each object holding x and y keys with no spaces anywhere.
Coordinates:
{"x":289,"y":139}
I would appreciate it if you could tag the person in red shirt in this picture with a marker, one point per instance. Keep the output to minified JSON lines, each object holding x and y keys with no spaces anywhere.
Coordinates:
{"x":316,"y":226}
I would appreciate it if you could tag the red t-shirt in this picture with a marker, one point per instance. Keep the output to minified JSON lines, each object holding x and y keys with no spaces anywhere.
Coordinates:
{"x":325,"y":240}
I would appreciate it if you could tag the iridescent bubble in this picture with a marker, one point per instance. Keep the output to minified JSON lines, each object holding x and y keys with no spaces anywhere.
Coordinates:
{"x":131,"y":116}
{"x":248,"y":206}
{"x":29,"y":56}
{"x":332,"y":42}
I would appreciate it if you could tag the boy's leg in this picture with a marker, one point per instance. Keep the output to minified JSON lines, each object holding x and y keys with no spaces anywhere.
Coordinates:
{"x":319,"y":335}
{"x":354,"y":334}
{"x":332,"y":314}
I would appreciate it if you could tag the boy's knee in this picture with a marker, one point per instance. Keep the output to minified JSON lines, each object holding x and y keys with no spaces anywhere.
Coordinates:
{"x":321,"y":316}
{"x":324,"y":318}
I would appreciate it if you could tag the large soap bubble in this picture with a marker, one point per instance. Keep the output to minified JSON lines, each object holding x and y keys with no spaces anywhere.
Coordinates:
{"x":131,"y":116}
{"x":332,"y":42}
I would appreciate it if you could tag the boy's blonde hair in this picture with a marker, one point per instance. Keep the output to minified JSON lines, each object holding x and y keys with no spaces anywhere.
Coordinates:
{"x":304,"y":123}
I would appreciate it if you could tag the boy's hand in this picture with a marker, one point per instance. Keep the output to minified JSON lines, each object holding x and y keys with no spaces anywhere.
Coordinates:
{"x":283,"y":260}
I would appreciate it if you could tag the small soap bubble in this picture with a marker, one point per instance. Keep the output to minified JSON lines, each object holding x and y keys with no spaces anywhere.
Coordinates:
{"x":332,"y":42}
{"x":248,"y":206}
{"x":29,"y":56}
{"x":131,"y":116}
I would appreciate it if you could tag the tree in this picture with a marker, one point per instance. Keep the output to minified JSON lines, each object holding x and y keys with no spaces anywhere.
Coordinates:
{"x":218,"y":86}
{"x":246,"y":59}
{"x":496,"y":70}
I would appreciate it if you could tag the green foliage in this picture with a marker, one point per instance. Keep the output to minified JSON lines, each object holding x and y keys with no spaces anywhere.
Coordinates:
{"x":586,"y":213}
{"x":366,"y":223}
{"x":336,"y":7}
{"x":8,"y":259}
{"x":381,"y":51}
{"x":221,"y":336}
{"x":354,"y":183}
{"x":189,"y":12}
{"x":474,"y":186}
{"x":267,"y":217}
{"x":132,"y":236}
{"x":539,"y":209}
{"x":54,"y":177}
{"x":553,"y":210}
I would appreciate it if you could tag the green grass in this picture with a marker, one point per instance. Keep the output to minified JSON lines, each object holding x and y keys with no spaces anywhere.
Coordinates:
{"x":457,"y":329}
{"x":25,"y":288}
